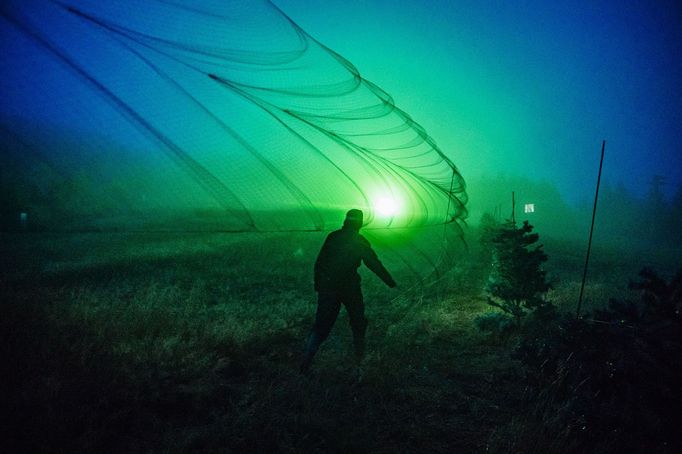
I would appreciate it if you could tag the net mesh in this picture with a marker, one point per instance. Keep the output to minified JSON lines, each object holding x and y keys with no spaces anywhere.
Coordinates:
{"x":208,"y":115}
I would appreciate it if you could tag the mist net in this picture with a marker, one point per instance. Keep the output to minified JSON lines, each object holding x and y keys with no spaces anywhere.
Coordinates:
{"x":210,"y":114}
{"x":206,"y":115}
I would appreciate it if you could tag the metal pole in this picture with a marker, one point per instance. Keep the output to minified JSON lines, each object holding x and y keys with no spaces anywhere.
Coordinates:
{"x":513,"y":210}
{"x":589,"y":242}
{"x":452,"y":185}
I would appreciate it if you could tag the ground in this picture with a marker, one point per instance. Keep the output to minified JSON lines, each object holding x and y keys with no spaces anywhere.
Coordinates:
{"x":158,"y":342}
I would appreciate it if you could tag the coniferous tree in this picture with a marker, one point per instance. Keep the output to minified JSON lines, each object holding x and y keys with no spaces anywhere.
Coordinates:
{"x":517,"y":283}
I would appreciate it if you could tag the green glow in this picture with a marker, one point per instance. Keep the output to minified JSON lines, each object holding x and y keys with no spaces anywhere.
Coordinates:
{"x":231,"y":119}
{"x":386,"y":206}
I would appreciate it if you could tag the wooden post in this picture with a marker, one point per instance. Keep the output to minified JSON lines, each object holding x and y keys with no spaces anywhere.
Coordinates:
{"x":589,"y":242}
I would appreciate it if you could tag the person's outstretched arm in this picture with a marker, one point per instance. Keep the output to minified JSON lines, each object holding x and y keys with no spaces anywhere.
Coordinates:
{"x":370,"y":259}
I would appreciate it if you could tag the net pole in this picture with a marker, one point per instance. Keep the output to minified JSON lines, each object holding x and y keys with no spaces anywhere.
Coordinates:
{"x":513,"y":209}
{"x":452,"y":186}
{"x":589,"y":241}
{"x":447,"y":221}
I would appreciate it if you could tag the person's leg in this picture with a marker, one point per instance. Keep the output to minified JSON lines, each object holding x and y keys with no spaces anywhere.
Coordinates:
{"x":328,"y":305}
{"x":358,"y":322}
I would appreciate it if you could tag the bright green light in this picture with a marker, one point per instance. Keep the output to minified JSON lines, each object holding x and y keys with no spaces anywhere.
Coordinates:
{"x":386,"y":207}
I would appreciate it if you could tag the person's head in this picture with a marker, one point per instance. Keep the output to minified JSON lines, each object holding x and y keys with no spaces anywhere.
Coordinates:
{"x":353,"y":219}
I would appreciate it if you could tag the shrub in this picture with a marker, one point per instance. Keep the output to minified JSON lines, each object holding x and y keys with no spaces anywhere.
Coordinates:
{"x":610,"y":382}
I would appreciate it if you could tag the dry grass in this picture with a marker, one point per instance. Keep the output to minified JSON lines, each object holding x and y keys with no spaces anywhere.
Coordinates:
{"x":190,"y":342}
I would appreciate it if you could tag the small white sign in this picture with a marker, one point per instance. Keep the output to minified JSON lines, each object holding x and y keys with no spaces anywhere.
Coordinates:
{"x":529,"y":208}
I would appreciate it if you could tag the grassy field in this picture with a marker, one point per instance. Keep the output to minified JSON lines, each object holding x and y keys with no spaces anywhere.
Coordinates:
{"x":181,"y":342}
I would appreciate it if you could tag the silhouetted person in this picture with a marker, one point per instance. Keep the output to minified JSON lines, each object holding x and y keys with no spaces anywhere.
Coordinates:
{"x":337,"y":282}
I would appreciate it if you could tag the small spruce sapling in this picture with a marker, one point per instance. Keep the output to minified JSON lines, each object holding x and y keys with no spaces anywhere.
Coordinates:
{"x":517,"y":283}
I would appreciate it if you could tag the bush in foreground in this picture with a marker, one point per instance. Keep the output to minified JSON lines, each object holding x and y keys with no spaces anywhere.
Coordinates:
{"x":610,"y":381}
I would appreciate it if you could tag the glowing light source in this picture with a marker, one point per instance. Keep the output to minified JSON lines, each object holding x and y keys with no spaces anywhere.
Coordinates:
{"x":386,"y":206}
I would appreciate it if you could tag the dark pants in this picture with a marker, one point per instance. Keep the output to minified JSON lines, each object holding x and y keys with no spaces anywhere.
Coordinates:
{"x":328,"y":307}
